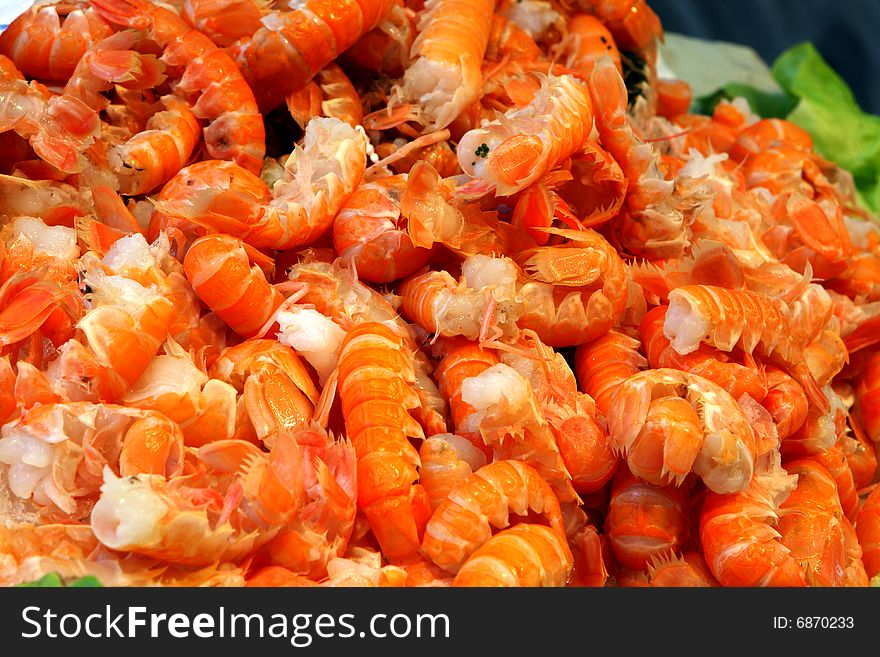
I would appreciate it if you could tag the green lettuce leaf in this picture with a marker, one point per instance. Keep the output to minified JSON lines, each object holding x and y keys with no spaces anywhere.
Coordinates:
{"x":763,"y":103}
{"x":827,"y":109}
{"x":53,"y":580}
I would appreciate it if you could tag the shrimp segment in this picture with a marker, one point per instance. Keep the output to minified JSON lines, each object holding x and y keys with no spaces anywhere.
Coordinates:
{"x":445,"y":75}
{"x":603,"y":364}
{"x":733,"y":318}
{"x":575,"y":292}
{"x":524,"y":555}
{"x":370,"y":233}
{"x":463,"y":522}
{"x":737,"y":379}
{"x":739,"y":540}
{"x":375,"y":384}
{"x":218,"y":266}
{"x":810,"y":524}
{"x":644,"y":521}
{"x":60,"y":129}
{"x":56,"y":452}
{"x":486,"y":297}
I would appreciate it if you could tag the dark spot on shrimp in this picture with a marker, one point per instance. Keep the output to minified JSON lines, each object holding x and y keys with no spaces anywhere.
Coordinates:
{"x":281,"y":132}
{"x":635,"y":74}
{"x":81,"y":283}
{"x":603,"y":39}
{"x":482,"y":150}
{"x":190,"y":182}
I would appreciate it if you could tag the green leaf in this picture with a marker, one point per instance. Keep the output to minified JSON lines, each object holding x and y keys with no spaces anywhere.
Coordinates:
{"x":827,"y":109}
{"x":762,"y":103}
{"x":48,"y":580}
{"x":87,"y":582}
{"x":54,"y":580}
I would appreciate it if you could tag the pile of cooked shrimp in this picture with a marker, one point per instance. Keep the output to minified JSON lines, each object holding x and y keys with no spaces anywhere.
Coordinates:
{"x":404,"y":293}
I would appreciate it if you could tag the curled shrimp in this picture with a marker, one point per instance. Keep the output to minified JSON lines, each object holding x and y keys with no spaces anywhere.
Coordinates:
{"x":580,"y":433}
{"x":151,"y":157}
{"x":740,"y":542}
{"x":510,"y":420}
{"x":515,"y":150}
{"x":129,"y":318}
{"x":524,"y":555}
{"x":185,"y":520}
{"x":644,"y":522}
{"x":445,"y":74}
{"x":335,"y":292}
{"x":486,"y":298}
{"x":209,"y":77}
{"x":142,"y":161}
{"x":652,"y":225}
{"x":59,"y":128}
{"x":810,"y":524}
{"x":226,"y":187}
{"x":47,"y":40}
{"x":218,"y":266}
{"x":668,"y":423}
{"x":277,"y":392}
{"x":369,"y":232}
{"x":291,"y":46}
{"x":318,"y":178}
{"x":737,"y":379}
{"x":575,"y":292}
{"x":463,"y":522}
{"x":320,"y":530}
